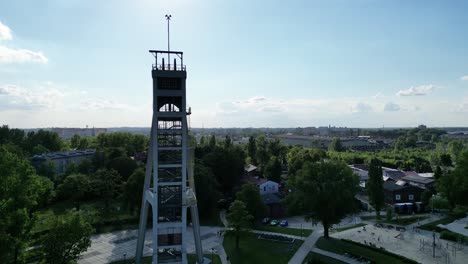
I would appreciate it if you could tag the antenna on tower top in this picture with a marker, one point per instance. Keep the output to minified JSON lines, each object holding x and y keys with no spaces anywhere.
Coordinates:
{"x":168,"y":18}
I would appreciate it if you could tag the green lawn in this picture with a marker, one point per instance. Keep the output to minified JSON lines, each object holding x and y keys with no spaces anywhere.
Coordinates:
{"x":335,"y":230}
{"x":341,"y":247}
{"x":432,"y":226}
{"x":314,"y":258}
{"x":254,"y":250}
{"x":115,"y":219}
{"x":191,"y":259}
{"x":406,"y":220}
{"x":284,"y":230}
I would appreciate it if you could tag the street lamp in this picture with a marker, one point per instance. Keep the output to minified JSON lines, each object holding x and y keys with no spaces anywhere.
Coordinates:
{"x":212,"y":251}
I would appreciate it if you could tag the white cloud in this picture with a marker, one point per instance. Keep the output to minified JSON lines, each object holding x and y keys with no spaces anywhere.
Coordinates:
{"x":464,"y":78}
{"x":361,"y":108}
{"x":5,"y":32}
{"x":101,"y":104}
{"x":417,"y":91}
{"x":391,"y":107}
{"x":18,"y":97}
{"x":9,"y":55}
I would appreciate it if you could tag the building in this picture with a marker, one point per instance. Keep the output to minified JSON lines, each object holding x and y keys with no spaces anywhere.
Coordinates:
{"x":268,"y":187}
{"x":393,"y":174}
{"x":63,"y":159}
{"x":67,"y":133}
{"x":169,"y":185}
{"x":422,"y":182}
{"x":362,"y":171}
{"x":250,"y":170}
{"x":404,"y":197}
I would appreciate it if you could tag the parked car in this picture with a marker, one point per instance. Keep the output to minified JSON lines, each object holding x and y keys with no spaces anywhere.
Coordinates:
{"x":284,"y":223}
{"x":266,"y":221}
{"x":274,"y":222}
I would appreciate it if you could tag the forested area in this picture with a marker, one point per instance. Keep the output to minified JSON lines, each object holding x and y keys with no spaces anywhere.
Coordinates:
{"x":104,"y":193}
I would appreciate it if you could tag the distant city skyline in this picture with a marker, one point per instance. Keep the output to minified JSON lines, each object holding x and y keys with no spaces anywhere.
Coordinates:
{"x":356,"y":63}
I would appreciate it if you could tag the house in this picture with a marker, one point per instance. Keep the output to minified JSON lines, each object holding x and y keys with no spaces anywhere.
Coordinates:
{"x":63,"y":159}
{"x":267,"y":187}
{"x":422,"y":182}
{"x":274,"y":204}
{"x":404,"y":197}
{"x":394,"y":174}
{"x":250,"y":170}
{"x":362,"y":171}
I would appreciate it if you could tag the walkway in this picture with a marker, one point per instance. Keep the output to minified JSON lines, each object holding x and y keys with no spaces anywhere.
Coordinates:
{"x":307,"y":246}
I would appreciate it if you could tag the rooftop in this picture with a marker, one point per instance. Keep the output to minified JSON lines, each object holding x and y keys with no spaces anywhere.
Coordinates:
{"x":64,"y":154}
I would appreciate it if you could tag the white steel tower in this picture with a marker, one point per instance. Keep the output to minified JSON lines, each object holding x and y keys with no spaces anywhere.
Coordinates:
{"x":169,"y":188}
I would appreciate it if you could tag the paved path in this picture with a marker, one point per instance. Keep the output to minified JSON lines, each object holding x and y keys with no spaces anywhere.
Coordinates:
{"x":307,"y":246}
{"x":457,"y":226}
{"x":110,"y":247}
{"x":222,"y":216}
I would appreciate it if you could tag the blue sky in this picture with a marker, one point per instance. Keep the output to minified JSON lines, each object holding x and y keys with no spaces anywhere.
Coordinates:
{"x":362,"y":63}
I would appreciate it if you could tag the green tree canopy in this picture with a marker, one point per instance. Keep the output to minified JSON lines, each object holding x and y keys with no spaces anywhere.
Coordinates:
{"x":375,"y":186}
{"x":133,"y":190}
{"x":250,"y":196}
{"x":272,"y":170}
{"x":206,"y":189}
{"x":20,"y":195}
{"x":239,"y":218}
{"x":327,"y":191}
{"x":75,"y":188}
{"x":69,"y":236}
{"x":454,"y":185}
{"x":336,"y":145}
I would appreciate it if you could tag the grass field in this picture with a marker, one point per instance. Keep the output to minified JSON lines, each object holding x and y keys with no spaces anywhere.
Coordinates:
{"x":284,"y":230}
{"x":314,"y":258}
{"x":341,"y":247}
{"x":432,"y":226}
{"x":254,"y":250}
{"x":113,"y":220}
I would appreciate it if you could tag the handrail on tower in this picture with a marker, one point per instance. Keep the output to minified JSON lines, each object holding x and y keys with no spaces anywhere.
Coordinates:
{"x":161,"y":65}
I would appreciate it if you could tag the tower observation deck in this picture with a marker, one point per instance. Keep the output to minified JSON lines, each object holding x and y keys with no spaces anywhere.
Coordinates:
{"x":169,"y":186}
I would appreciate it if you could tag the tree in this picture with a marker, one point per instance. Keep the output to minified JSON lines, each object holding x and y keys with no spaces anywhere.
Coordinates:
{"x":336,"y":145}
{"x":20,"y":192}
{"x":75,"y":187}
{"x":226,"y":164}
{"x":262,"y":151}
{"x":107,"y":185}
{"x":273,"y":169}
{"x":250,"y":196}
{"x":227,"y":142}
{"x":124,"y":166}
{"x":212,"y":142}
{"x":133,"y":190}
{"x":206,"y":188}
{"x":75,"y":141}
{"x":69,"y":236}
{"x":252,"y":149}
{"x":454,"y":185}
{"x":375,"y":187}
{"x":445,"y":160}
{"x":238,"y":218}
{"x":327,"y":191}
